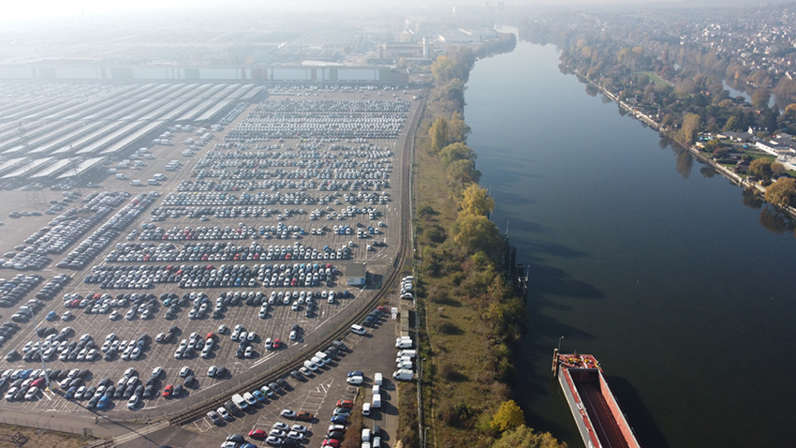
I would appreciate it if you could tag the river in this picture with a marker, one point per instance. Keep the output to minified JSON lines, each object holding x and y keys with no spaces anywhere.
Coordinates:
{"x":639,"y":255}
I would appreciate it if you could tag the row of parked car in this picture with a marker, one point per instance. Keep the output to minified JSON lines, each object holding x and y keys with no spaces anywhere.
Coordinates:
{"x":95,"y":243}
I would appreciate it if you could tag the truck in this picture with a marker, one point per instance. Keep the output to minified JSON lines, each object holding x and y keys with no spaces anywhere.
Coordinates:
{"x":239,"y":401}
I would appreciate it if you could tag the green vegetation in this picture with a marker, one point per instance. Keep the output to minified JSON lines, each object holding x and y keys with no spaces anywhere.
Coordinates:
{"x":470,"y":319}
{"x":782,"y":192}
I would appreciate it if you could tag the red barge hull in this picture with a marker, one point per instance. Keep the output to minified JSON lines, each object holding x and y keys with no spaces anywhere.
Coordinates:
{"x":600,"y":421}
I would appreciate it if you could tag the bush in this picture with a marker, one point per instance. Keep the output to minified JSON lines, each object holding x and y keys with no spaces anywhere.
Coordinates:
{"x":407,"y":415}
{"x":448,"y":328}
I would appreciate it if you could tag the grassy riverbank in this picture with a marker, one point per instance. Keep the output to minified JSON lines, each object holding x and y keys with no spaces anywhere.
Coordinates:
{"x":470,"y":321}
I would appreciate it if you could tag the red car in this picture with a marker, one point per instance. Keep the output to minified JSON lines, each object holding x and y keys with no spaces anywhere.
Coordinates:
{"x":334,"y":443}
{"x":168,"y":391}
{"x":345,"y":404}
{"x":277,"y":343}
{"x":258,"y":434}
{"x":210,"y":336}
{"x":383,"y":309}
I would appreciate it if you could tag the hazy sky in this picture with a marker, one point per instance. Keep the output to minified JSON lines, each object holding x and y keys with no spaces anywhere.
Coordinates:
{"x":30,"y":9}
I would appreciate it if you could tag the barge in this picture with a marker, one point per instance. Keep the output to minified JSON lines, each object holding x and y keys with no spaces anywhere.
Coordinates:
{"x":600,"y":421}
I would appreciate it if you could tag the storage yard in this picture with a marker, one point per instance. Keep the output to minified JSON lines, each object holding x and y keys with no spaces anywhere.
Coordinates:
{"x":152,"y":219}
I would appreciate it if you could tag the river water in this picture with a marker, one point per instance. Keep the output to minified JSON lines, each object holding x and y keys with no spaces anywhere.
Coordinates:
{"x":639,"y":255}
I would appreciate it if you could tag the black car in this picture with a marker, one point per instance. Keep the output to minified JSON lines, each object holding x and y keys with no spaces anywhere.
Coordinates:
{"x":297,"y":375}
{"x":189,"y":380}
{"x":339,"y":435}
{"x":148,"y":391}
{"x":118,"y":393}
{"x":178,"y":391}
{"x":283,"y":383}
{"x":110,"y":391}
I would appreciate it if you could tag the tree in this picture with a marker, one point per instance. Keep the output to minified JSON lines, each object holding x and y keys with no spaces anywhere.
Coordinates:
{"x":782,"y":192}
{"x":476,"y":233}
{"x":760,"y":98}
{"x":790,"y":111}
{"x":457,"y":128}
{"x":731,"y":125}
{"x":463,"y":171}
{"x":442,"y":68}
{"x":439,"y":134}
{"x":508,"y":417}
{"x":778,"y":169}
{"x":476,"y":201}
{"x":456,"y":151}
{"x":525,"y":437}
{"x":760,"y":167}
{"x":690,"y":128}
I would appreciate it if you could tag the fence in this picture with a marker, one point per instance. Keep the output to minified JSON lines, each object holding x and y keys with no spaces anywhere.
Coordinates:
{"x":35,"y":424}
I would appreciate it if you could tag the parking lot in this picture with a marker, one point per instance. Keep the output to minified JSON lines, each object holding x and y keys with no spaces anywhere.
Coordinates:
{"x":317,"y":395}
{"x":306,"y":187}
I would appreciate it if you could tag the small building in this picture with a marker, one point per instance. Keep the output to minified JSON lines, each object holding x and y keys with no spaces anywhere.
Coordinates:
{"x":356,"y":275}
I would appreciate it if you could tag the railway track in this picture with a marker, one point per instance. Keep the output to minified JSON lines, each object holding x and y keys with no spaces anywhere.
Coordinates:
{"x":404,"y":252}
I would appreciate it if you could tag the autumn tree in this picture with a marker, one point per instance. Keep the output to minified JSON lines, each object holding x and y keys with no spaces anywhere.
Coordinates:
{"x":761,"y":167}
{"x":508,"y":417}
{"x":731,"y":125}
{"x":790,"y":111}
{"x":457,"y":129}
{"x":524,"y":437}
{"x":476,"y":233}
{"x":463,"y":171}
{"x":439,"y":134}
{"x":690,"y":128}
{"x":782,"y":192}
{"x":456,"y":151}
{"x":476,"y":201}
{"x":778,"y":169}
{"x":442,"y":68}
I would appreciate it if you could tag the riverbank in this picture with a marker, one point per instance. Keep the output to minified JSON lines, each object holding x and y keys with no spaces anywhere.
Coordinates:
{"x":470,"y":321}
{"x":733,"y":177}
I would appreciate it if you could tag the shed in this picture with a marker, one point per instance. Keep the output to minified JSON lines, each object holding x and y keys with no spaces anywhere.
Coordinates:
{"x":356,"y":275}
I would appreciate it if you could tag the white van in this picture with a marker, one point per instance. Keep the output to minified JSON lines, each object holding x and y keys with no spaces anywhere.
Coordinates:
{"x":403,"y":375}
{"x":136,"y":183}
{"x":404,"y":343}
{"x":358,"y":329}
{"x":121,"y":176}
{"x":405,"y":365}
{"x":153,"y":182}
{"x":159,"y":176}
{"x":403,"y":359}
{"x":407,"y":353}
{"x":239,"y":401}
{"x":323,"y":356}
{"x":310,"y":365}
{"x":376,"y":389}
{"x":366,"y":409}
{"x":376,"y":401}
{"x":378,"y":379}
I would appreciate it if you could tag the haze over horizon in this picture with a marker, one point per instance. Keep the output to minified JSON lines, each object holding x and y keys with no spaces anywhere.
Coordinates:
{"x":40,"y":9}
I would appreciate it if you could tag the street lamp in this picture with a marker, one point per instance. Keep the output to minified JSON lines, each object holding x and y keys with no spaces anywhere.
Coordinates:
{"x":41,"y":356}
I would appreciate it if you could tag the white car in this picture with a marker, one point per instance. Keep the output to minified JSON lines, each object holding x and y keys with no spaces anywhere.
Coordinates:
{"x":354,"y":380}
{"x":132,"y":403}
{"x":358,"y":329}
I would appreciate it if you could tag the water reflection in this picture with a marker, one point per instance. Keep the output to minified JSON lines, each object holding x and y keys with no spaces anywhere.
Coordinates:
{"x":684,"y":161}
{"x":591,"y":90}
{"x":751,"y":199}
{"x":707,"y":172}
{"x":775,"y":220}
